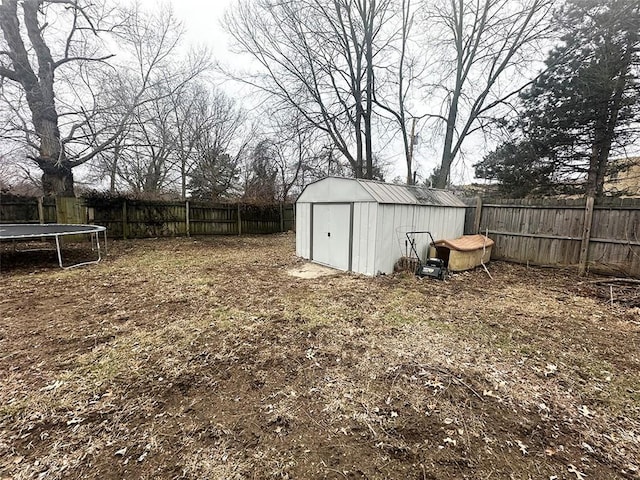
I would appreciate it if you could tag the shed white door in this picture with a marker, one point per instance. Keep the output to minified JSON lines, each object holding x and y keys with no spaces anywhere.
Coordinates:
{"x":331,"y":234}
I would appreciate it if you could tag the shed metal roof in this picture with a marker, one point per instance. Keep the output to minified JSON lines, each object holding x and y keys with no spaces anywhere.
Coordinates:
{"x":339,"y":189}
{"x":409,"y":194}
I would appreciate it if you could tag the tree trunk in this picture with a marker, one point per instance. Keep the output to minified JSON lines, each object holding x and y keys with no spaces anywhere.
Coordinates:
{"x":57,"y":176}
{"x":57,"y":179}
{"x":368,"y":39}
{"x":409,"y":150}
{"x":113,"y":171}
{"x":442,"y":176}
{"x":183,"y":178}
{"x":598,"y":162}
{"x":358,"y":128}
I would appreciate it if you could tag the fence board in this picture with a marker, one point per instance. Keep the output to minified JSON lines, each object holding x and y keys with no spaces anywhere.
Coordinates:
{"x":26,"y":210}
{"x":144,"y":219}
{"x":549,"y":232}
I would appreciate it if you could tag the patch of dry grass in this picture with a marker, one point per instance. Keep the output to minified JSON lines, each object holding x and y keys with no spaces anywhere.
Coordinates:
{"x":202,"y":358}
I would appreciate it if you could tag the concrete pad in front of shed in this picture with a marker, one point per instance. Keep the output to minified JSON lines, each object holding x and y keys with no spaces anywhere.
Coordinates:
{"x":312,"y":270}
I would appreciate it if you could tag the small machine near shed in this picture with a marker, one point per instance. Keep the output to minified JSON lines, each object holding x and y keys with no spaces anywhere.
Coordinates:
{"x":429,"y":267}
{"x":463,"y":253}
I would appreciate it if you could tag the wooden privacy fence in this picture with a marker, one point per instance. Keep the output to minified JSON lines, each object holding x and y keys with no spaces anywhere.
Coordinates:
{"x":145,"y":219}
{"x":27,"y":209}
{"x":601,"y":236}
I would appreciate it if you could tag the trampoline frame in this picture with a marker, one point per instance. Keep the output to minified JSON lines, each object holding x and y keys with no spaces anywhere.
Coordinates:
{"x":63,"y":229}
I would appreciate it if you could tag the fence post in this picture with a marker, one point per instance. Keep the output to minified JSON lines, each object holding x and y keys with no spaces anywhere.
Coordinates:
{"x":478,"y":215}
{"x":187,"y":220}
{"x":124,"y":219}
{"x":239,"y":221}
{"x":586,"y":236}
{"x":41,"y":210}
{"x":281,"y":218}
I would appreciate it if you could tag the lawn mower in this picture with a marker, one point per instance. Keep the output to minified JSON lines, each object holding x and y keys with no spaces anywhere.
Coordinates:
{"x":431,"y":267}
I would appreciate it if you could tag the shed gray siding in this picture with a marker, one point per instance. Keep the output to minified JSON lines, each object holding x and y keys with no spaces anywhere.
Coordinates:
{"x":303,"y":230}
{"x":364,"y":237}
{"x":394,"y":221}
{"x":381,"y":214}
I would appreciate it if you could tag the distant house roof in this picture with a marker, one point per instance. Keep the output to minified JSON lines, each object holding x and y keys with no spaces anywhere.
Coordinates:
{"x":338,"y":189}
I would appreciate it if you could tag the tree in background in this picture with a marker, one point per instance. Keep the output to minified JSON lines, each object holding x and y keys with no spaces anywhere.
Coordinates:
{"x":29,"y":61}
{"x":480,"y":49}
{"x":582,"y":108}
{"x":261,"y":176}
{"x":519,"y":170}
{"x":220,"y":141}
{"x":319,"y":57}
{"x":298,"y":152}
{"x":586,"y":104}
{"x":208,"y":125}
{"x":74,"y":100}
{"x":214,"y":176}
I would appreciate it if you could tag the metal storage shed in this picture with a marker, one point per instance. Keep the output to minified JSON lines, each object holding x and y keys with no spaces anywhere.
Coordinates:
{"x":360,"y":225}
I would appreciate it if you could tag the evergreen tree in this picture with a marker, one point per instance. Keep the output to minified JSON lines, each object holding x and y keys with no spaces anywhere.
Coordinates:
{"x":261,"y":185}
{"x":214,"y":176}
{"x":585,"y":104}
{"x":520,"y":169}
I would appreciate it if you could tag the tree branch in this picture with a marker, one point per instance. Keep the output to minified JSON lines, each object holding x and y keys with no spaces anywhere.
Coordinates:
{"x":62,"y":61}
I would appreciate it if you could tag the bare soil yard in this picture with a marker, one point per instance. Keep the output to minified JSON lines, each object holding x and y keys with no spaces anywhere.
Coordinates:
{"x":203,"y":358}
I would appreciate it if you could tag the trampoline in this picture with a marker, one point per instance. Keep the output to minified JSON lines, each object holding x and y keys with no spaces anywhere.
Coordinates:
{"x":26,"y":231}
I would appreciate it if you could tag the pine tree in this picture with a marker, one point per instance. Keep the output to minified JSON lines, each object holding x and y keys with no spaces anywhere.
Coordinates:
{"x":582,"y":109}
{"x":586,"y":102}
{"x":520,"y":169}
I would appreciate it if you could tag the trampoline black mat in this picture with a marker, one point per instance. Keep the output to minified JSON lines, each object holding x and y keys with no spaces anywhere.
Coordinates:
{"x":32,"y":230}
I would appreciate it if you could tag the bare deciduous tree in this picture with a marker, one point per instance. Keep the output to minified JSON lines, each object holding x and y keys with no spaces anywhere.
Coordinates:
{"x":399,"y":76}
{"x":76,"y":110}
{"x":318,"y":57}
{"x":488,"y":42}
{"x":30,"y":63}
{"x":219,"y":138}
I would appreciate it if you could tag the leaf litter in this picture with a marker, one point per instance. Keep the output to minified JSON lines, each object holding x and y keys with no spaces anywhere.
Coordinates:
{"x":203,"y":358}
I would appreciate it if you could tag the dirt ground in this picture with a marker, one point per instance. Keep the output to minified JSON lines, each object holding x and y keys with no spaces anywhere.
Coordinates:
{"x":203,"y":358}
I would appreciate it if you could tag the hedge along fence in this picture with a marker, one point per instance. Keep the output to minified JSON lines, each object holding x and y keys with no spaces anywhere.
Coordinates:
{"x":126,"y":218}
{"x":601,"y":236}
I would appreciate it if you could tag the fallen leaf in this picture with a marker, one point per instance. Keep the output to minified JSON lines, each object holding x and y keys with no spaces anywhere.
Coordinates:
{"x":543,"y":408}
{"x":489,"y":393}
{"x":585,"y":412}
{"x":522,"y":447}
{"x":587,"y":447}
{"x":52,"y":386}
{"x":579,"y":475}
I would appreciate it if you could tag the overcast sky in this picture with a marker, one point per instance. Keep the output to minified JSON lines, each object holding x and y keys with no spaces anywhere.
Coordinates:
{"x":202,"y":20}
